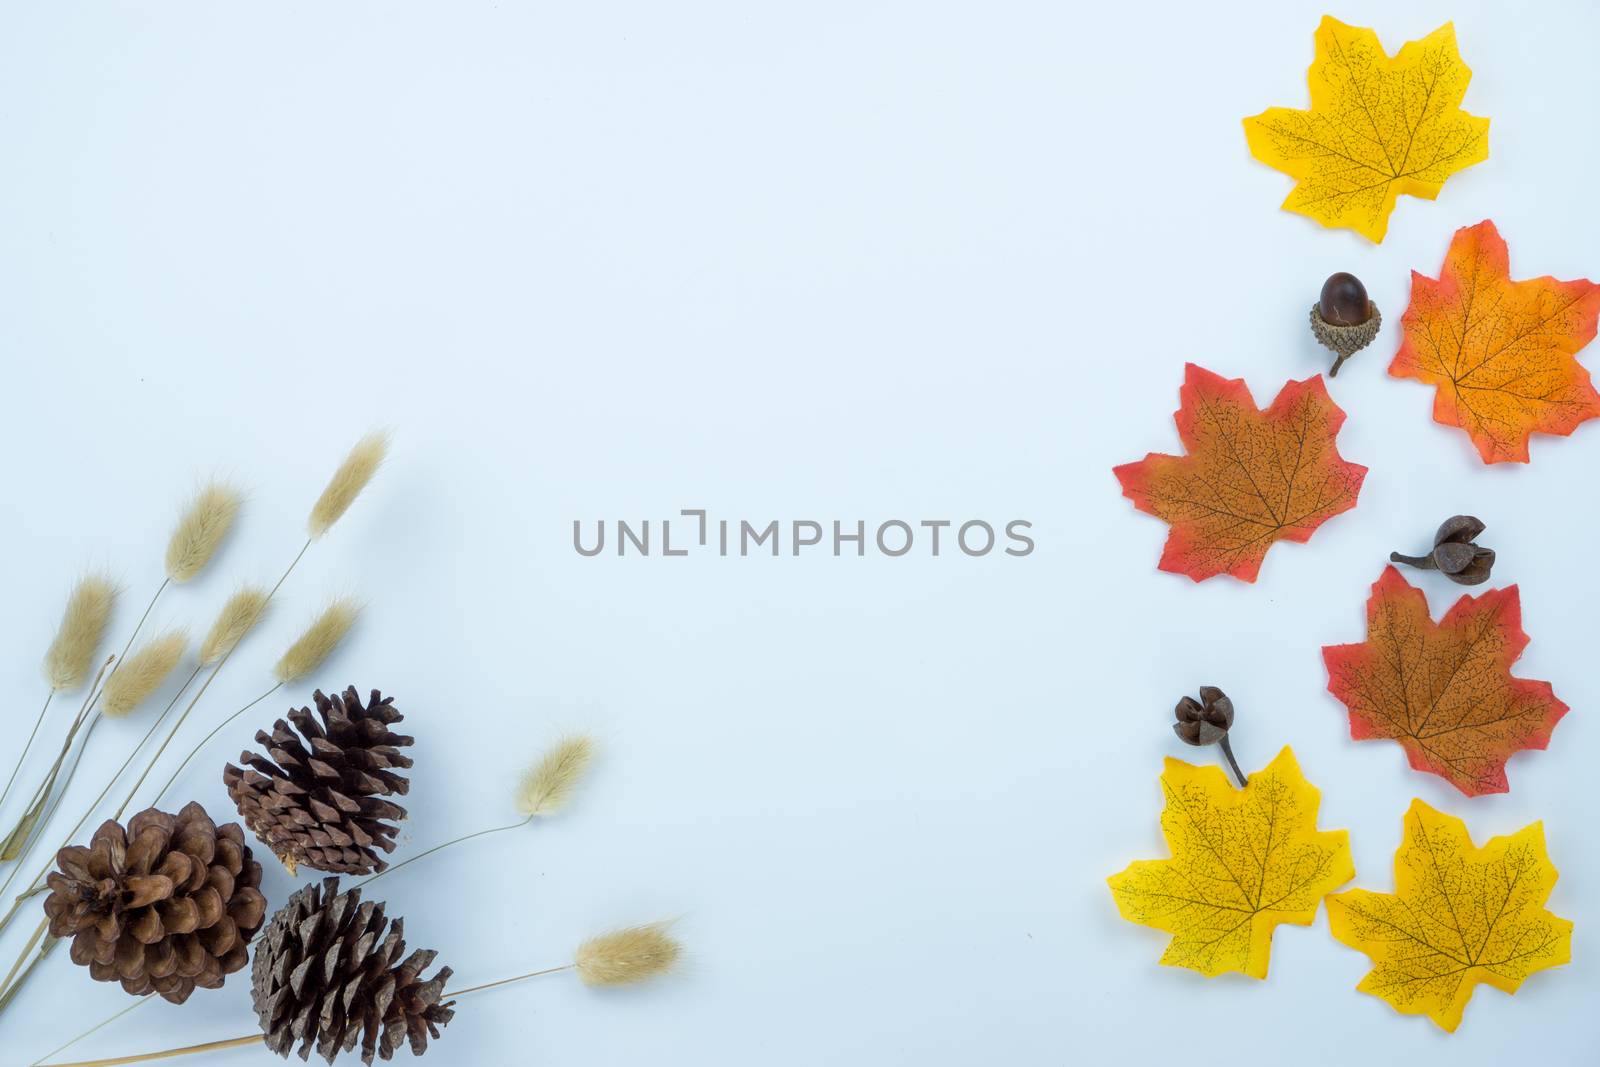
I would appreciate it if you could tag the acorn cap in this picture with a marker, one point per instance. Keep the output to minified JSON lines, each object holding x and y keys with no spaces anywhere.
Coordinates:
{"x":1345,"y":340}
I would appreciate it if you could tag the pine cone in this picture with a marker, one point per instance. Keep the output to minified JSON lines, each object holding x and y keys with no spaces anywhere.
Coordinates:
{"x":169,"y":904}
{"x":319,"y":804}
{"x":325,"y":974}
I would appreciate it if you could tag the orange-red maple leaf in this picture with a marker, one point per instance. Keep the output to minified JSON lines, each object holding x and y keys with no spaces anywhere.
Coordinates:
{"x":1444,"y":690}
{"x":1499,"y":352}
{"x":1250,"y":477}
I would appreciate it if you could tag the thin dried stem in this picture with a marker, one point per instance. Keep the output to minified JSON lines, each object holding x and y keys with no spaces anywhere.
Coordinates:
{"x":506,"y":981}
{"x":44,"y":871}
{"x":453,"y":841}
{"x":6,"y":987}
{"x":90,"y":699}
{"x":223,"y":662}
{"x":164,"y":1054}
{"x":14,"y":845}
{"x":207,"y":740}
{"x":38,"y":722}
{"x":250,"y":1039}
{"x":141,"y":1002}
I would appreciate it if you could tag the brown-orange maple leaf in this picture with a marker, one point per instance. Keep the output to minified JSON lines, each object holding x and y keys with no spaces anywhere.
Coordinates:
{"x":1250,"y":478}
{"x":1500,"y":352}
{"x":1444,"y":690}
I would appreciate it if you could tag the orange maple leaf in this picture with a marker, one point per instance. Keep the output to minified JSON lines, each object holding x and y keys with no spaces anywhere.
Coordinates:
{"x":1500,"y":352}
{"x":1250,"y":478}
{"x":1444,"y":690}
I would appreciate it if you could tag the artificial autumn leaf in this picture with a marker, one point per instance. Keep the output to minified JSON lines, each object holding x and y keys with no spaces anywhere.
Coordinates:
{"x":1459,"y":916}
{"x":1250,"y":478}
{"x":1499,"y":352}
{"x":1378,"y":127}
{"x":1243,"y":861}
{"x":1445,"y":690}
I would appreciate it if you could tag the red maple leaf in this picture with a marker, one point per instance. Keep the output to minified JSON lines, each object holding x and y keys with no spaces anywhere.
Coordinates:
{"x":1444,"y":690}
{"x":1499,"y":352}
{"x":1250,"y":477}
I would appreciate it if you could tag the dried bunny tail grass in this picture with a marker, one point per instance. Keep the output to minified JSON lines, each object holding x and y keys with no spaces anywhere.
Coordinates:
{"x":83,"y":624}
{"x":142,"y":673}
{"x":348,"y":481}
{"x":237,"y":618}
{"x":201,"y":529}
{"x":547,"y":785}
{"x":318,"y":641}
{"x":625,"y":957}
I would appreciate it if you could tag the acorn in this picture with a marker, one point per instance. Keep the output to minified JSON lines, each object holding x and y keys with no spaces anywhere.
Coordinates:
{"x":1343,"y":320}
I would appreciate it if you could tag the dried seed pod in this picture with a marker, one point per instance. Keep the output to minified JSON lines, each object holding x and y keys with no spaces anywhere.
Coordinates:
{"x":1206,"y":722}
{"x":318,"y":799}
{"x":1343,"y":320}
{"x":1456,"y":553}
{"x":329,"y":973}
{"x":165,"y":905}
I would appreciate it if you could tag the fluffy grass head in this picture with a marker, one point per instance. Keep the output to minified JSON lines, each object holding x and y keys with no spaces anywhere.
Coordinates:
{"x":546,"y":787}
{"x":236,"y":619}
{"x":627,"y":957}
{"x":348,"y":481}
{"x":317,"y":643}
{"x":83,"y":624}
{"x":201,"y":530}
{"x":142,"y":673}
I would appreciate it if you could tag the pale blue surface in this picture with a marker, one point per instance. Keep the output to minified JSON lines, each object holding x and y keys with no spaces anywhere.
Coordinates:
{"x":838,"y":260}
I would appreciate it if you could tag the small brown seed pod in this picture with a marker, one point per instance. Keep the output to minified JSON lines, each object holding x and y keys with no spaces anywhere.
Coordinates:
{"x":1455,"y":553}
{"x":1206,"y":722}
{"x":1343,"y":320}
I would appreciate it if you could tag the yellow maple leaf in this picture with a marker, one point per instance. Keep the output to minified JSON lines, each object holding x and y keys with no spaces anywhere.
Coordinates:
{"x":1243,"y":861}
{"x":1459,"y":915}
{"x":1378,"y":127}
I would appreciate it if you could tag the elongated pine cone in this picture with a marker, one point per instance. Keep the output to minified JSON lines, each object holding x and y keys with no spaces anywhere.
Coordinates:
{"x":326,"y":975}
{"x":168,"y":904}
{"x":321,"y":803}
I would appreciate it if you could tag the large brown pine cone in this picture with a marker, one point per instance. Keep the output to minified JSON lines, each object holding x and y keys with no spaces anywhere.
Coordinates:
{"x":168,"y":904}
{"x":326,"y":974}
{"x":320,"y":804}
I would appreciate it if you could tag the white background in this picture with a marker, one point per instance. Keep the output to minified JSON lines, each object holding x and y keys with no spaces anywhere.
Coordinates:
{"x":841,"y":260}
